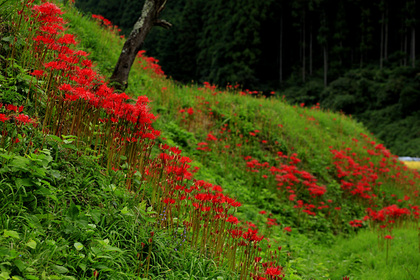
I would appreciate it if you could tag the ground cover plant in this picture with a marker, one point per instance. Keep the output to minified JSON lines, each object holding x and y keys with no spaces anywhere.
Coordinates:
{"x":205,"y":183}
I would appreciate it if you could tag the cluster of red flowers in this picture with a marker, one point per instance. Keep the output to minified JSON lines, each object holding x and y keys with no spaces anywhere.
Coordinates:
{"x":150,"y":63}
{"x":391,"y":214}
{"x":108,"y":24}
{"x":356,"y":223}
{"x":13,"y":114}
{"x":77,"y":82}
{"x":362,"y":177}
{"x":190,"y":111}
{"x":210,"y":88}
{"x":210,"y":207}
{"x":291,"y":179}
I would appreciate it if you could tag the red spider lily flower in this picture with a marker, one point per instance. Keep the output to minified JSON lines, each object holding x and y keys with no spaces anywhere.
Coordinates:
{"x":11,"y":107}
{"x":271,"y":222}
{"x":273,"y":271}
{"x":211,"y":137}
{"x":169,"y":201}
{"x":251,"y":235}
{"x":23,"y":118}
{"x":233,"y":220}
{"x":67,"y":39}
{"x":87,"y":63}
{"x":56,"y":65}
{"x":388,"y":237}
{"x":205,"y":208}
{"x":99,"y":17}
{"x":287,"y":229}
{"x":262,"y":212}
{"x":217,"y":188}
{"x":203,"y":146}
{"x":37,"y":73}
{"x":235,"y":204}
{"x":3,"y":118}
{"x":47,"y":9}
{"x":175,"y":150}
{"x":190,"y":111}
{"x":356,"y":223}
{"x":81,"y":53}
{"x":235,"y":233}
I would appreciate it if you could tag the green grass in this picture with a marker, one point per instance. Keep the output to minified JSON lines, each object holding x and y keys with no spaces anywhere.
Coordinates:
{"x":67,"y":216}
{"x":362,"y":257}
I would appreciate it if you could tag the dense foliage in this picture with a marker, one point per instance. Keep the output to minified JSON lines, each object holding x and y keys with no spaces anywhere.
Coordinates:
{"x":242,"y":41}
{"x":354,"y":56}
{"x":222,"y":185}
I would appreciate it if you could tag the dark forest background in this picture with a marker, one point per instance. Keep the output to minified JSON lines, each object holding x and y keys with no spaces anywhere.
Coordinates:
{"x":351,"y":55}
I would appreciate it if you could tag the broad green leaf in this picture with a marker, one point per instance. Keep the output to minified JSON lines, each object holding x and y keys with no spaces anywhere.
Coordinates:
{"x":73,"y":211}
{"x":108,"y":248}
{"x":26,"y":182}
{"x":78,"y":246}
{"x":20,"y":163}
{"x":83,"y":266}
{"x":31,"y":277}
{"x":59,"y":269}
{"x":8,"y":39}
{"x":55,"y":173}
{"x":125,"y":211}
{"x":4,"y":275}
{"x":31,"y":244}
{"x":70,"y":146}
{"x":50,"y":242}
{"x":11,"y":233}
{"x":55,"y":138}
{"x":6,"y":156}
{"x":20,"y":264}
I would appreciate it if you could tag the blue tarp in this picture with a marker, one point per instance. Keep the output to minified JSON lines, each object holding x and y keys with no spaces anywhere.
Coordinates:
{"x":409,"y":158}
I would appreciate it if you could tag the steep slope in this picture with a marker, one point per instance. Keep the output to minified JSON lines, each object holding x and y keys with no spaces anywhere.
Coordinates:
{"x":252,"y":173}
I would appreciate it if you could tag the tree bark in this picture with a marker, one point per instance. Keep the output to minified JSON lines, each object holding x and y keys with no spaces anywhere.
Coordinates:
{"x":325,"y":66}
{"x":413,"y":47}
{"x":149,"y":18}
{"x":310,"y":52}
{"x":405,"y":48}
{"x":386,"y":35}
{"x":304,"y":49}
{"x":281,"y":50}
{"x":381,"y":55}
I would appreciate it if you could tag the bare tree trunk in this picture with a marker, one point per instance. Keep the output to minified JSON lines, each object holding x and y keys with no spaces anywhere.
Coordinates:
{"x":381,"y":53}
{"x":405,"y":48}
{"x":386,"y":36}
{"x":149,"y":18}
{"x":310,"y":53}
{"x":303,"y":49}
{"x":413,"y":47}
{"x":325,"y":66}
{"x":281,"y":50}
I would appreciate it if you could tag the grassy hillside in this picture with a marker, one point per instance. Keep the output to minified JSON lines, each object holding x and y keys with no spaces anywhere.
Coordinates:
{"x":182,"y":182}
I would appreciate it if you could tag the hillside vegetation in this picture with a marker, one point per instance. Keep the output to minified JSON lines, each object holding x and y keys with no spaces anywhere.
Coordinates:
{"x":181,"y":182}
{"x":355,"y":56}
